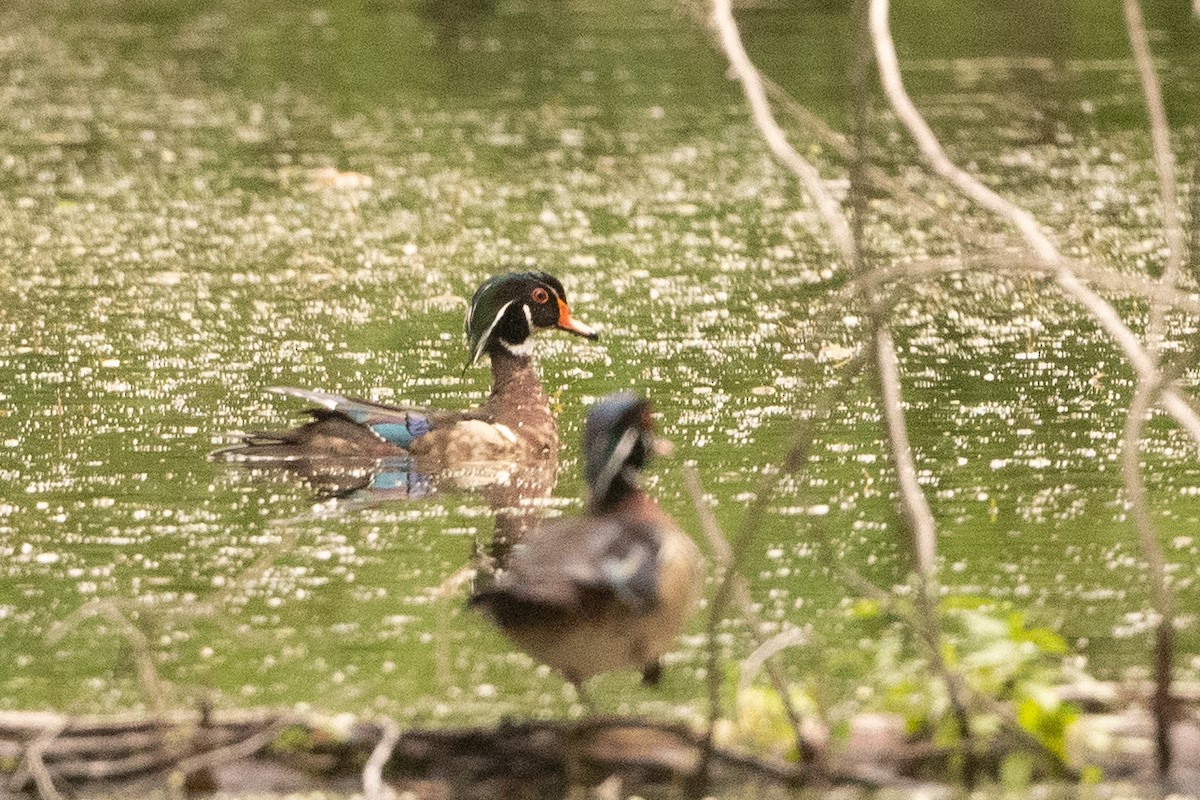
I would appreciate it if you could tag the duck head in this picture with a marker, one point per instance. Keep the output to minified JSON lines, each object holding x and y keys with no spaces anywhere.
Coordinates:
{"x":508,"y":309}
{"x":618,"y":440}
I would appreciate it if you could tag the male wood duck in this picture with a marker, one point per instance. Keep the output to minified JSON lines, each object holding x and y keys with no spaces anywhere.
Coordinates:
{"x":610,"y":589}
{"x":515,"y":421}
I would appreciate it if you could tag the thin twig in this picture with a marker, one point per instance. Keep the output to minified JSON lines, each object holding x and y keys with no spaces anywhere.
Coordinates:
{"x":915,"y":205}
{"x":919,"y":516}
{"x":839,"y":230}
{"x":848,"y":574}
{"x":931,"y":148}
{"x":741,"y":596}
{"x":913,"y":502}
{"x":1147,"y":392}
{"x":372,"y":775}
{"x":104,"y":745}
{"x":1164,"y":159}
{"x":118,"y":767}
{"x":908,"y":275}
{"x":1146,"y":363}
{"x":152,"y":685}
{"x":1135,"y":490}
{"x":1194,"y":249}
{"x":894,"y":606}
{"x":912,"y":499}
{"x":797,"y":455}
{"x":763,"y":655}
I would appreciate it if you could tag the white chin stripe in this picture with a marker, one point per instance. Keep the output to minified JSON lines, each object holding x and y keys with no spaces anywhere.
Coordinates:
{"x":483,"y":340}
{"x":616,"y":461}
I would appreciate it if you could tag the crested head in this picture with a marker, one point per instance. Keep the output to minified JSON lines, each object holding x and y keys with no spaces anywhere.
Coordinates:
{"x":507,"y":309}
{"x":618,"y":440}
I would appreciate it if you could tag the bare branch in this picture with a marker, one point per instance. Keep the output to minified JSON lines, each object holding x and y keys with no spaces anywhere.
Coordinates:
{"x":1147,"y":391}
{"x":764,"y":119}
{"x":1194,"y":249}
{"x":233,"y":752}
{"x":741,"y":596}
{"x":915,"y":506}
{"x":1038,"y":242}
{"x":34,"y":766}
{"x":1164,"y":160}
{"x":1018,"y":264}
{"x":1139,"y":510}
{"x":152,"y":685}
{"x":764,"y":652}
{"x":931,"y":148}
{"x":372,"y":775}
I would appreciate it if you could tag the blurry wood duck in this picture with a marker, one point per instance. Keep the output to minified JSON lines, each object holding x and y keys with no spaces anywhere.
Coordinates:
{"x":515,"y":421}
{"x":613,"y":588}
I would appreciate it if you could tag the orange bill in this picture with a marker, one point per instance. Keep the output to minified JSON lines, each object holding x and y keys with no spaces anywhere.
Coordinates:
{"x":568,"y":323}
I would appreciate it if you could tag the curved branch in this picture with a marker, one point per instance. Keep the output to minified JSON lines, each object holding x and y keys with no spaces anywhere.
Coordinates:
{"x":372,"y":775}
{"x":764,"y":119}
{"x":931,"y":148}
{"x":1006,"y":265}
{"x":1173,"y":400}
{"x":1139,"y":510}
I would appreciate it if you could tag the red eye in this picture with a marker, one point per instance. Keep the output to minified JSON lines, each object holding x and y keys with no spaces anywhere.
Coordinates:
{"x":540,"y":295}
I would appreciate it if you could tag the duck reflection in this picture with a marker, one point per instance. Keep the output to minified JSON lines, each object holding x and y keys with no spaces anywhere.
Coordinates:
{"x":1036,"y":35}
{"x":451,"y":20}
{"x":516,"y":490}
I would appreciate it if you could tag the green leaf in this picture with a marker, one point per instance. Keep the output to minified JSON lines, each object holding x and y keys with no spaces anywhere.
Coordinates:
{"x":865,"y":608}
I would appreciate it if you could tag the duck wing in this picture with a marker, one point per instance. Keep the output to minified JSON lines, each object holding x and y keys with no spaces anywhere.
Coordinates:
{"x":397,"y":425}
{"x":341,"y":427}
{"x":582,"y":567}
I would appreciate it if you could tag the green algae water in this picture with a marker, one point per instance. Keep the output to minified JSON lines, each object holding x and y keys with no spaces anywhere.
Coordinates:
{"x":202,"y":200}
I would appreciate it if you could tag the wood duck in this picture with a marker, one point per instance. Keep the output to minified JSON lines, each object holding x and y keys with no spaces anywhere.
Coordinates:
{"x":610,"y":589}
{"x":515,"y":421}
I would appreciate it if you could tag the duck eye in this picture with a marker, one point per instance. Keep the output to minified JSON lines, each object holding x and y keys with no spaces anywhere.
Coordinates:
{"x":540,"y":295}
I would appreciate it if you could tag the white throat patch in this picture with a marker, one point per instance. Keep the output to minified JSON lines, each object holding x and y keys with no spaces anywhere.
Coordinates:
{"x":522,"y":350}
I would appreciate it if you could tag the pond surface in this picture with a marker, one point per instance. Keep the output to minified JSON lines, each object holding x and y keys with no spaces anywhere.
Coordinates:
{"x":200,"y":200}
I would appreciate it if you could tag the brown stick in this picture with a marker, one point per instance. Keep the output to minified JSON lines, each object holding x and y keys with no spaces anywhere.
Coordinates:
{"x":1194,"y":248}
{"x":152,"y":686}
{"x":906,"y":276}
{"x":233,"y":752}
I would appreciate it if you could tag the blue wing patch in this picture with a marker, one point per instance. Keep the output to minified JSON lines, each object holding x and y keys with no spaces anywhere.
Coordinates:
{"x":398,"y":426}
{"x":401,"y":479}
{"x":401,"y":434}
